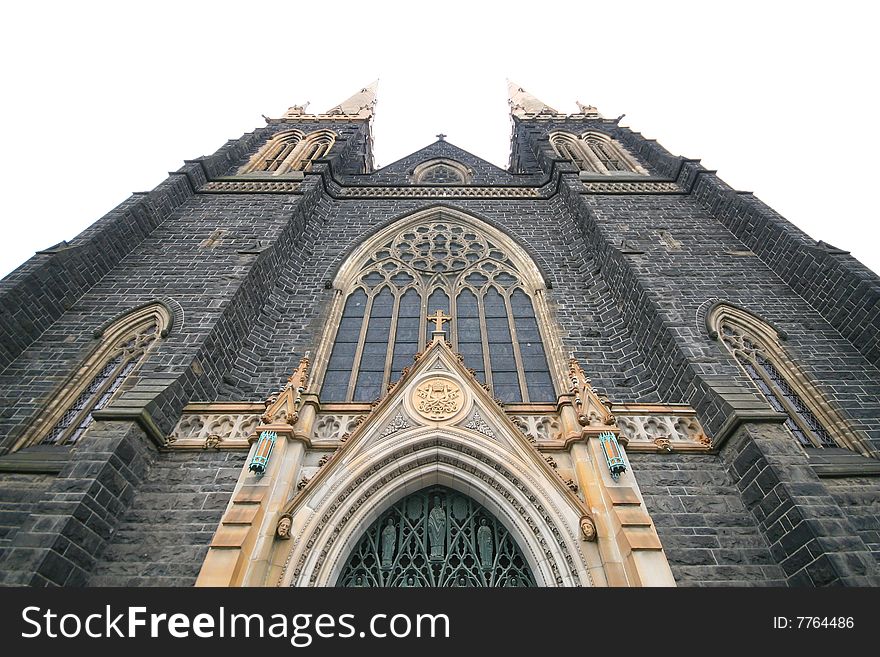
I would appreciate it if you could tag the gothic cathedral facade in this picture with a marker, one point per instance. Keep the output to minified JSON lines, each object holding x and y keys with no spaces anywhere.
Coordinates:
{"x":600,"y":366}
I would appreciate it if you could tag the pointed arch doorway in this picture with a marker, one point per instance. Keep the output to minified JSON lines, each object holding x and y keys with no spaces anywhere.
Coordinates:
{"x":436,"y":537}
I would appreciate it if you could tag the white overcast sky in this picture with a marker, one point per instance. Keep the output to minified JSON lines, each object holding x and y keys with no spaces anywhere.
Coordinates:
{"x":102,"y":99}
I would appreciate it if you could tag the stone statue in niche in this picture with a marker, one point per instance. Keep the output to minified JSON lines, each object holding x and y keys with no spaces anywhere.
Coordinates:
{"x":437,"y":530}
{"x":283,"y":528}
{"x":389,"y":538}
{"x":484,"y":544}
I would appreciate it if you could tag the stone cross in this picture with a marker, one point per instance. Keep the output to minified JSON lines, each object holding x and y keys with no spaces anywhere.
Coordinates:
{"x":441,"y":136}
{"x":438,"y":318}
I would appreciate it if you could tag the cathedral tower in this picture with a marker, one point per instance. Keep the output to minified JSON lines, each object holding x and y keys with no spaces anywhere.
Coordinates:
{"x":282,"y":367}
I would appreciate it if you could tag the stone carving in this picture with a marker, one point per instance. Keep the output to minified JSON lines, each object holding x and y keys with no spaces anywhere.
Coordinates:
{"x":437,"y":530}
{"x":537,"y":428}
{"x":431,"y":192}
{"x":333,"y":427}
{"x":283,"y":528}
{"x":355,"y":496}
{"x":477,"y":423}
{"x":283,"y":406}
{"x":572,"y":486}
{"x":389,"y":538}
{"x":663,"y":444}
{"x":484,"y":544}
{"x":206,"y":431}
{"x":633,"y":187}
{"x":551,"y":462}
{"x":588,"y":528}
{"x":662,"y":432}
{"x":302,"y":483}
{"x":438,"y":398}
{"x":592,"y":409}
{"x":285,"y":187}
{"x":399,"y":423}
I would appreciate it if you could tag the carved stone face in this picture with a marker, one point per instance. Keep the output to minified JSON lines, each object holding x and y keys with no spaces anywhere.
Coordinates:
{"x":284,"y":527}
{"x":588,"y":528}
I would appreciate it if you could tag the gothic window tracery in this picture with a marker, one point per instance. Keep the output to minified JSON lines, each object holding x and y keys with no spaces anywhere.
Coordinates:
{"x":595,"y":152}
{"x":125,"y":345}
{"x":290,"y":150}
{"x":436,"y":537}
{"x":441,"y":171}
{"x":771,"y":373}
{"x":438,"y":265}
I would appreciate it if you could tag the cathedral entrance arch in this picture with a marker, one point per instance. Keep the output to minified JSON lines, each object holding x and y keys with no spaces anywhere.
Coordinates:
{"x":436,"y":537}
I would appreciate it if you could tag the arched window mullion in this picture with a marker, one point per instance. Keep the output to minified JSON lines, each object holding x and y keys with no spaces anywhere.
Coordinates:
{"x":359,"y":352}
{"x":767,"y":374}
{"x":106,"y":371}
{"x":453,"y":313}
{"x":517,"y":355}
{"x":484,"y":337}
{"x":776,"y":401}
{"x":392,"y":337}
{"x":423,"y":321}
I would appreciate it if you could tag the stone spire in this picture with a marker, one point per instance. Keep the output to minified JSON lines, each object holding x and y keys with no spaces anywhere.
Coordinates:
{"x":523,"y":103}
{"x":358,"y":106}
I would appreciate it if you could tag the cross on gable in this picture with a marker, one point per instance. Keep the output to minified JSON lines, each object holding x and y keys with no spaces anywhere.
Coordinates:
{"x":441,"y":137}
{"x":438,"y":318}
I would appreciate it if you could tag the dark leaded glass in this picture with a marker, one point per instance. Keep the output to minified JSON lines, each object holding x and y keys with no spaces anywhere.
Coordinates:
{"x":341,"y":362}
{"x":800,"y":408}
{"x":436,"y":537}
{"x":406,"y":337}
{"x":467,"y":329}
{"x":505,"y":378}
{"x":531,"y":348}
{"x":372,"y":366}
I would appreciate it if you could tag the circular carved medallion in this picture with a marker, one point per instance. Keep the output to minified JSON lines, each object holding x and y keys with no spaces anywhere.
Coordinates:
{"x":437,"y":398}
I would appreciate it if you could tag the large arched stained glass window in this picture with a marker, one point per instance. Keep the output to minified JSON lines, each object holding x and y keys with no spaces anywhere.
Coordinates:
{"x":436,"y":537}
{"x":438,"y":265}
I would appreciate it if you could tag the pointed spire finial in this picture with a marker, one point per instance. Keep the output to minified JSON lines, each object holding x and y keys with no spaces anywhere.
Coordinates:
{"x":523,"y":103}
{"x":589,"y":111}
{"x":360,"y":105}
{"x":294,"y":111}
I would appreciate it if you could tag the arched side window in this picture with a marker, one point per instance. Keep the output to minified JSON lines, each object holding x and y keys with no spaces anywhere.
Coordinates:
{"x":755,"y":346}
{"x":290,"y":150}
{"x":441,"y":172}
{"x":595,"y":152}
{"x":124,"y":345}
{"x":438,"y":263}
